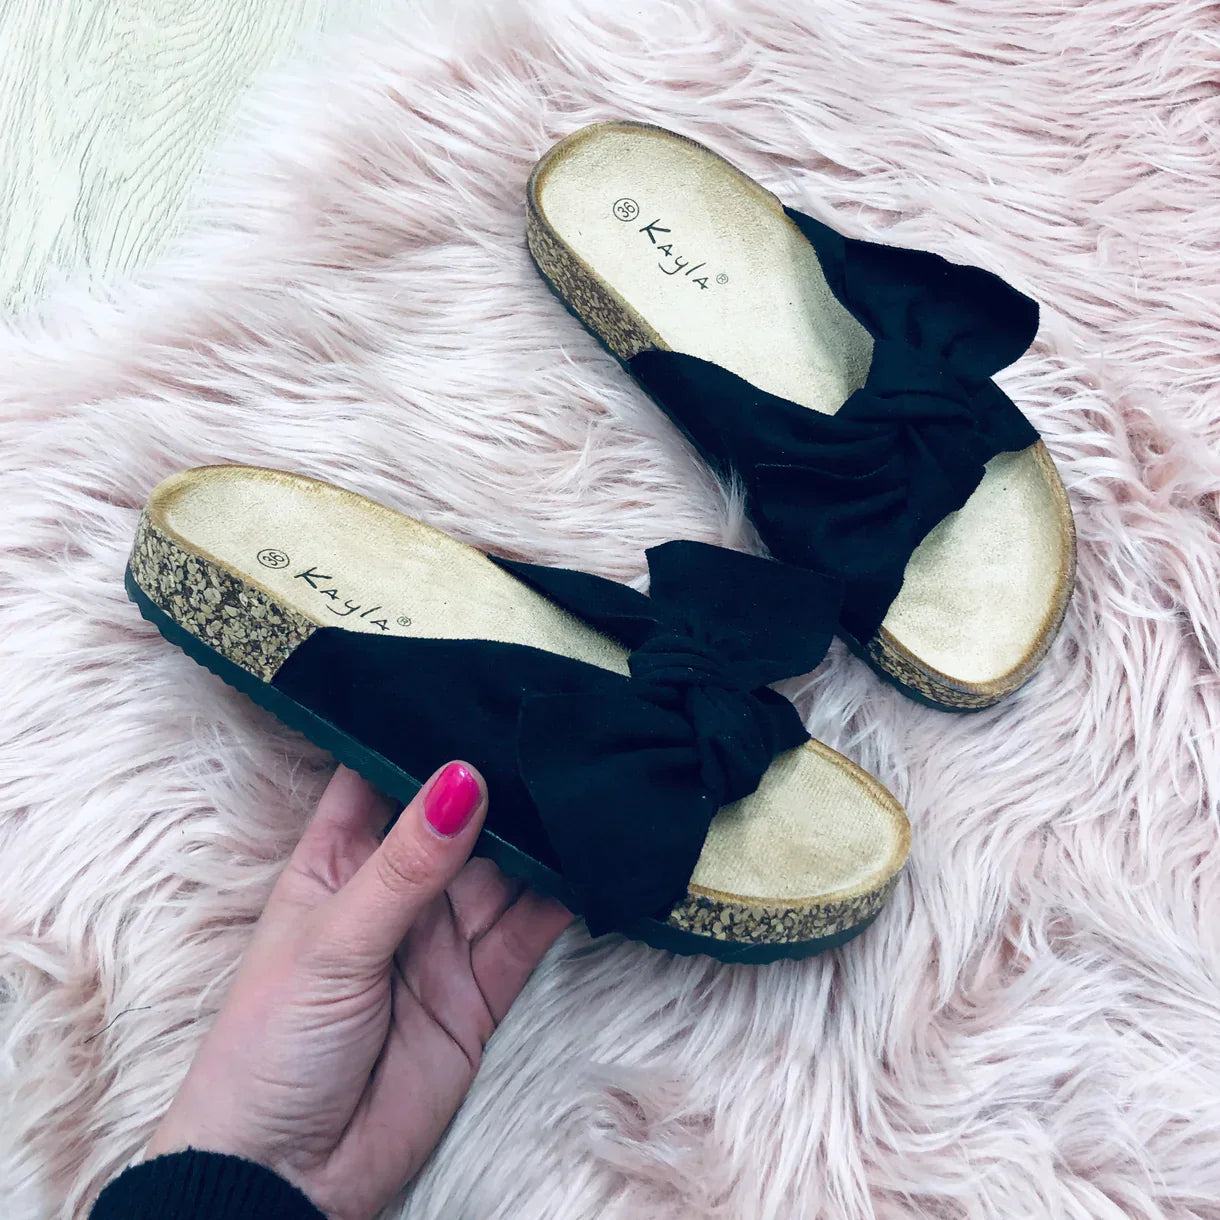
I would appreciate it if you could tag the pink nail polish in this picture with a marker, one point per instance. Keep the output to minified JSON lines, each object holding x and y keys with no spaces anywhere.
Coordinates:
{"x":452,"y":799}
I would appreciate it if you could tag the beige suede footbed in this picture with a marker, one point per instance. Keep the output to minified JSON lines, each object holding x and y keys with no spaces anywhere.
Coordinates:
{"x":817,"y":829}
{"x":735,"y":282}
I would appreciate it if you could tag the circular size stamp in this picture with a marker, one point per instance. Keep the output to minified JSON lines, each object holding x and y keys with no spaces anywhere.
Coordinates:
{"x":626,"y":209}
{"x":270,"y":557}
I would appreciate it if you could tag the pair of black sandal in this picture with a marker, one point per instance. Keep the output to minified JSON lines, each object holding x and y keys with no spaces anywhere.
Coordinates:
{"x":640,"y":767}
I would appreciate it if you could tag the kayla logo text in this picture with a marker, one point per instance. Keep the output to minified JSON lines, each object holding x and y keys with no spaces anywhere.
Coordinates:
{"x":660,"y":238}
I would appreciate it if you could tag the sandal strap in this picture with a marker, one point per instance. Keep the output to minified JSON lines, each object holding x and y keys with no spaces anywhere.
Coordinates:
{"x":853,"y":494}
{"x":616,"y":778}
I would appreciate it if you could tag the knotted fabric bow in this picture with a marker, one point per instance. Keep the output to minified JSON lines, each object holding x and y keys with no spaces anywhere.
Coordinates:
{"x":626,"y":784}
{"x":613,"y":778}
{"x":853,"y":494}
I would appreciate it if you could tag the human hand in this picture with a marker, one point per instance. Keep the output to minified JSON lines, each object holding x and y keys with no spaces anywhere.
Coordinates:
{"x":375,"y":976}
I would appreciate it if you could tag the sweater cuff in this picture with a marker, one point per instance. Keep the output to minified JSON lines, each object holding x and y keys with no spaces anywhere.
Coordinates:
{"x":195,"y":1185}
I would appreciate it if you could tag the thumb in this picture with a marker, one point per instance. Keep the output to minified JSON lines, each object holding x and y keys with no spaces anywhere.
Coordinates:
{"x":420,"y":855}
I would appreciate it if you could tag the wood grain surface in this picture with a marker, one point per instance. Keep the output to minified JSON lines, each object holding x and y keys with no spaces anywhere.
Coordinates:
{"x":107,"y":109}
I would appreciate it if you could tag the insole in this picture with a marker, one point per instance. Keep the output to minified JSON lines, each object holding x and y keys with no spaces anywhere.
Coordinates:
{"x":817,"y":824}
{"x":708,"y":260}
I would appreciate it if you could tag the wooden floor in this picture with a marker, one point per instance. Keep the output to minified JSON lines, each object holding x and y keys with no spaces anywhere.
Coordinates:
{"x":107,"y":108}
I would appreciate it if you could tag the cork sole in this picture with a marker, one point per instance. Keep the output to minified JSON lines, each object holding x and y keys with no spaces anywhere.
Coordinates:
{"x":655,"y":242}
{"x":238,"y":566}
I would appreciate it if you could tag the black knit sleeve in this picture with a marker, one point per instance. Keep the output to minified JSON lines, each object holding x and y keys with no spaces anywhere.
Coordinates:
{"x":195,"y":1185}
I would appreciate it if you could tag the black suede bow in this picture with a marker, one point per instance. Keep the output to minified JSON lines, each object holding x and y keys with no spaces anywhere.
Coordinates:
{"x":854,"y":494}
{"x":611,"y":779}
{"x":627,"y":784}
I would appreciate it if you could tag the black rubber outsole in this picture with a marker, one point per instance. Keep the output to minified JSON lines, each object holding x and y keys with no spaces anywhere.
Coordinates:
{"x":396,"y":783}
{"x":852,"y":643}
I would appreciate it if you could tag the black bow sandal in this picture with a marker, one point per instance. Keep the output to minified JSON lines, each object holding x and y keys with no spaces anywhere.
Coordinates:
{"x":848,"y":385}
{"x":664,"y":792}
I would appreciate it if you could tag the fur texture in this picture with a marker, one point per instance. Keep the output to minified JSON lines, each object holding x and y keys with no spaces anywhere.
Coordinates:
{"x":1033,"y":1029}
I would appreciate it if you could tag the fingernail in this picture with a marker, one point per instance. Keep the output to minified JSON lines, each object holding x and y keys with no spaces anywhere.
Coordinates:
{"x":452,"y":799}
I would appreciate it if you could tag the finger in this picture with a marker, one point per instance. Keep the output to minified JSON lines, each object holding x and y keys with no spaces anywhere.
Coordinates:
{"x":505,"y":957}
{"x":434,"y":961}
{"x":340,"y":837}
{"x":350,"y":806}
{"x":479,"y":895}
{"x":420,"y":855}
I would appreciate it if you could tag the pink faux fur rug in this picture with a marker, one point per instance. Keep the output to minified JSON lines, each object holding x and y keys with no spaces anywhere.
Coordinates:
{"x":1033,"y":1028}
